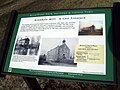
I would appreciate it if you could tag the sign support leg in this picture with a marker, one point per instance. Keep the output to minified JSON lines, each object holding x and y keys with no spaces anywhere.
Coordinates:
{"x":32,"y":83}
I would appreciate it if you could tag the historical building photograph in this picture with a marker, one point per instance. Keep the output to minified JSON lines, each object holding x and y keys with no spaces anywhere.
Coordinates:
{"x":58,"y":51}
{"x":27,"y":45}
{"x":90,"y":28}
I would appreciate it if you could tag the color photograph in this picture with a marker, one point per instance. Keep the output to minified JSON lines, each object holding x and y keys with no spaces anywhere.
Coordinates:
{"x":90,"y":28}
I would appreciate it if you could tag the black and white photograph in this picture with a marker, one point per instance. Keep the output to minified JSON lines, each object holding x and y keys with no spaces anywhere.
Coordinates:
{"x":27,"y":45}
{"x":90,"y":28}
{"x":58,"y":51}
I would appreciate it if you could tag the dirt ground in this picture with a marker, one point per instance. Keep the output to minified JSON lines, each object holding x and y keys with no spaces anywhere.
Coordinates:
{"x":6,"y":6}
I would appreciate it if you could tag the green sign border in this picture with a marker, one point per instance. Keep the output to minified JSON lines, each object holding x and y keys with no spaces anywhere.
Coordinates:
{"x":109,"y":56}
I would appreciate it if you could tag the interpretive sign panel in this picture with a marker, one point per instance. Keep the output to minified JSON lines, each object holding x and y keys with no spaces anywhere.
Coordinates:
{"x":69,"y":44}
